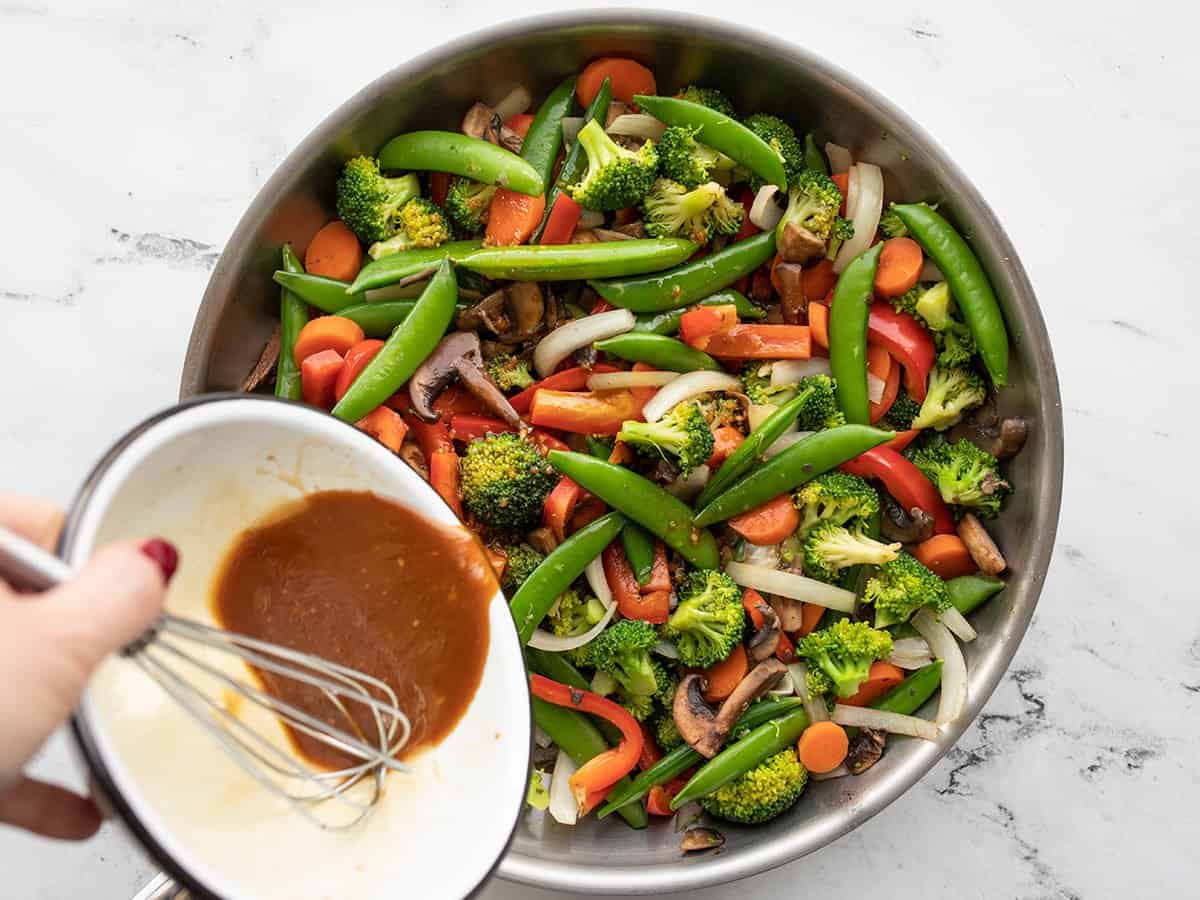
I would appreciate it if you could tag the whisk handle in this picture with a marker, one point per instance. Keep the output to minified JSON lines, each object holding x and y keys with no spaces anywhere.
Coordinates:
{"x":25,"y":564}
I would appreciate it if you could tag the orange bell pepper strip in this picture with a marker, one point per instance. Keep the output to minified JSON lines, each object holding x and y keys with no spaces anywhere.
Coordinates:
{"x":560,"y":505}
{"x":512,"y":218}
{"x":573,"y":379}
{"x":584,"y":412}
{"x":385,"y":425}
{"x":810,"y":618}
{"x":751,"y":599}
{"x":705,"y":320}
{"x":643,"y":394}
{"x":658,"y":801}
{"x":653,"y":607}
{"x":818,"y":323}
{"x":589,"y":510}
{"x":757,"y":342}
{"x":457,"y":399}
{"x":604,"y":770}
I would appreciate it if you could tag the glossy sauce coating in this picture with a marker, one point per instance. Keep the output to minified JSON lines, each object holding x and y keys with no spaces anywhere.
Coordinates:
{"x":367,"y":583}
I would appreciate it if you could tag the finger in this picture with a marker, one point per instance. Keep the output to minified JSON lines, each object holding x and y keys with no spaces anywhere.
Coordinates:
{"x":49,"y":810}
{"x":33,"y":518}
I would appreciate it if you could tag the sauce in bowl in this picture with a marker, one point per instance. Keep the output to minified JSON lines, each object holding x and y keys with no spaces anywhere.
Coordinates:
{"x":362,"y":581}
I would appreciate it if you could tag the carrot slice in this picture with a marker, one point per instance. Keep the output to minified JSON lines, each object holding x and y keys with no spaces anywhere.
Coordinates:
{"x":842,"y":180}
{"x":726,"y":439}
{"x":625,"y":76}
{"x":881,"y":679}
{"x":385,"y":425}
{"x":768,"y":524}
{"x":823,"y":747}
{"x":724,"y":676}
{"x":326,"y":333}
{"x":318,"y":375}
{"x":818,"y":324}
{"x":900,"y":264}
{"x":512,"y":218}
{"x":334,"y":252}
{"x":945,"y":555}
{"x":817,"y":281}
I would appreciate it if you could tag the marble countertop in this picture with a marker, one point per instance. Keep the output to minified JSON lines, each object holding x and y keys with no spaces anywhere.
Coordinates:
{"x":134,"y":134}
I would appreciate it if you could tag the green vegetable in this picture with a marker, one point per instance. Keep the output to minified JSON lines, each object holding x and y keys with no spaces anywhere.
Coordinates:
{"x":421,"y":225}
{"x":967,"y":280}
{"x":689,"y":282}
{"x":667,"y":682}
{"x":683,"y":433}
{"x":698,"y":214}
{"x":841,"y":232}
{"x":404,"y":264}
{"x":901,"y":587}
{"x":407,"y":347}
{"x":964,"y":475}
{"x":370,"y":203}
{"x":508,"y":372}
{"x":761,"y":743}
{"x":848,"y":334}
{"x":327,"y":294}
{"x":844,"y":652}
{"x":557,"y":667}
{"x":543,"y":140}
{"x":568,"y":262}
{"x":969,"y":592}
{"x":710,"y":97}
{"x":615,"y":177}
{"x":668,"y":322}
{"x":505,"y":480}
{"x":638,"y":544}
{"x":813,"y":203}
{"x":644,"y":502}
{"x":468,"y":202}
{"x":558,"y":570}
{"x":458,"y":154}
{"x":766,"y":791}
{"x":950,"y":394}
{"x":892,"y":225}
{"x":780,"y":137}
{"x":819,"y":409}
{"x":685,"y":160}
{"x":935,"y":309}
{"x":658,"y":350}
{"x":293,"y":315}
{"x":902,"y":412}
{"x":709,"y":620}
{"x":522,"y":561}
{"x":910,"y":694}
{"x":666,"y":732}
{"x":798,"y":464}
{"x":538,"y":795}
{"x":835,"y":498}
{"x":623,"y":651}
{"x":575,"y":162}
{"x":813,"y":157}
{"x":378,"y":319}
{"x":829,"y":548}
{"x":574,"y":614}
{"x":721,"y":132}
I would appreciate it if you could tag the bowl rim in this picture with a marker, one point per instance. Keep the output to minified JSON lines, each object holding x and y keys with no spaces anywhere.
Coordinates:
{"x":781,"y":849}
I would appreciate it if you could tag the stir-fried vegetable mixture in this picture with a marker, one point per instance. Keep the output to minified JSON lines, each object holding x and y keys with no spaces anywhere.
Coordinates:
{"x":727,"y":437}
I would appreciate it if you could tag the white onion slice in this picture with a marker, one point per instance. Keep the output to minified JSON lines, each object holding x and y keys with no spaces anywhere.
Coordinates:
{"x":637,"y":125}
{"x":563,"y":807}
{"x":589,"y":219}
{"x":685,"y":387}
{"x":958,"y":625}
{"x":785,"y":688}
{"x":864,"y":214}
{"x":790,"y":371}
{"x":666,"y":649}
{"x":765,"y":212}
{"x":758,"y":413}
{"x":910,"y":653}
{"x":814,"y":706}
{"x":875,"y":388}
{"x":553,"y":643}
{"x":851,"y":189}
{"x":562,"y":342}
{"x":954,"y":667}
{"x":840,"y":772}
{"x":598,"y":581}
{"x":786,"y":440}
{"x":765,"y":555}
{"x":540,"y":738}
{"x":930,"y":272}
{"x":614,"y":381}
{"x":909,"y":663}
{"x":686,"y":489}
{"x":840,"y":159}
{"x":515,"y":102}
{"x":789,"y":584}
{"x":571,"y":126}
{"x":893,"y":723}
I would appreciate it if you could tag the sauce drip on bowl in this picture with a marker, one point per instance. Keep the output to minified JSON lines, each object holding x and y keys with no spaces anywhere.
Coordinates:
{"x":365,"y":582}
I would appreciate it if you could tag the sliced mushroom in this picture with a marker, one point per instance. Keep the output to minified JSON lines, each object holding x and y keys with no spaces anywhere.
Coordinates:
{"x":616,"y":109}
{"x":790,"y":612}
{"x":584,"y":236}
{"x":1003,"y":438}
{"x":513,"y":314}
{"x":786,"y":279}
{"x":909,"y":527}
{"x":411,"y":454}
{"x":481,"y":121}
{"x":705,"y":729}
{"x":266,"y":362}
{"x":799,"y":245}
{"x":605,"y":235}
{"x":633,"y":229}
{"x":457,"y":358}
{"x":980,"y":545}
{"x":695,"y":839}
{"x":866,"y":748}
{"x":491,"y":312}
{"x":542,"y":540}
{"x":763,"y":643}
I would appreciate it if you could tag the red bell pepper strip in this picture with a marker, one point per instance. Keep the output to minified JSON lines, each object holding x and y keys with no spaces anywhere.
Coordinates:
{"x":891,"y":390}
{"x":559,"y":506}
{"x":748,"y":229}
{"x":902,"y":440}
{"x":602,"y":771}
{"x":702,"y":321}
{"x":601,"y":305}
{"x":660,"y":572}
{"x":584,"y":412}
{"x":621,"y":580}
{"x":560,"y":225}
{"x":519,"y":123}
{"x":434,"y":441}
{"x":786,"y":651}
{"x":650,"y":751}
{"x":467,"y":427}
{"x":439,"y":187}
{"x":758,"y":342}
{"x":905,"y":482}
{"x":658,"y":801}
{"x":906,"y":340}
{"x":588,"y":511}
{"x":573,"y":379}
{"x":653,"y":607}
{"x":385,"y":425}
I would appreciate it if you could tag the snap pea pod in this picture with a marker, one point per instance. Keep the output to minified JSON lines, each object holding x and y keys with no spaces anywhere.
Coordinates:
{"x":660,"y":351}
{"x":557,"y":667}
{"x":968,"y":283}
{"x":544,"y":138}
{"x":579,"y":738}
{"x":563,"y":565}
{"x":644,"y":502}
{"x":293,"y":315}
{"x":390,"y":269}
{"x":668,"y":322}
{"x":598,"y":448}
{"x":969,"y":592}
{"x":737,"y":759}
{"x":378,"y":319}
{"x":803,"y":461}
{"x":639,"y":551}
{"x":689,"y":282}
{"x":570,"y":262}
{"x":813,"y":157}
{"x":575,"y":162}
{"x":848,"y":334}
{"x":911,"y":693}
{"x":750,"y":451}
{"x":460,"y":154}
{"x":326,"y":294}
{"x":407,"y":347}
{"x":720,"y":132}
{"x":684,"y":757}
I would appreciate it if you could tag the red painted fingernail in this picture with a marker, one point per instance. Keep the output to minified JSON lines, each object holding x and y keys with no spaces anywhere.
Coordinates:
{"x":163,"y":553}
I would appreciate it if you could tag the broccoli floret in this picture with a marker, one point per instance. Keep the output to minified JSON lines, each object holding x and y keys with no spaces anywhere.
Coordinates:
{"x":709,"y":620}
{"x":640,"y":706}
{"x":818,"y":683}
{"x":756,"y":383}
{"x":710,"y":97}
{"x":835,"y":497}
{"x":468,"y":202}
{"x":615,"y":177}
{"x":665,"y":682}
{"x":842,"y":231}
{"x":829,"y":548}
{"x":421,"y":223}
{"x":902,"y":411}
{"x":901,"y":587}
{"x":950,"y":394}
{"x":933,"y":306}
{"x":890,"y":224}
{"x":956,"y":346}
{"x":935,"y":309}
{"x":782,"y":138}
{"x":965,"y":475}
{"x":671,"y":210}
{"x":666,"y":732}
{"x":907,"y":302}
{"x":684,"y":159}
{"x":508,"y":372}
{"x":844,"y":651}
{"x":369,"y":203}
{"x":683,"y":433}
{"x":769,"y":789}
{"x":820,"y":408}
{"x":623,"y":651}
{"x":522,"y":560}
{"x":722,"y":410}
{"x":813,"y":203}
{"x":505,"y":480}
{"x":573,"y":613}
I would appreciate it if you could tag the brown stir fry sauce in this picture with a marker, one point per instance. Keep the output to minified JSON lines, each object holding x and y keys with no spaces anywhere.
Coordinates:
{"x":364,"y":582}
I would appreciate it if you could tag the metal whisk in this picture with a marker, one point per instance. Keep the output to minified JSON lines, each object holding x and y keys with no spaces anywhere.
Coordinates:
{"x":185,"y":659}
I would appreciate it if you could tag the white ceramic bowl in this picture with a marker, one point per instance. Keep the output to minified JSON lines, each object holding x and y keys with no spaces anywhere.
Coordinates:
{"x":198,"y":475}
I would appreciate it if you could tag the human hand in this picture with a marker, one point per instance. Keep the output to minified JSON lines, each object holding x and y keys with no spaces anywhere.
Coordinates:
{"x":49,"y":645}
